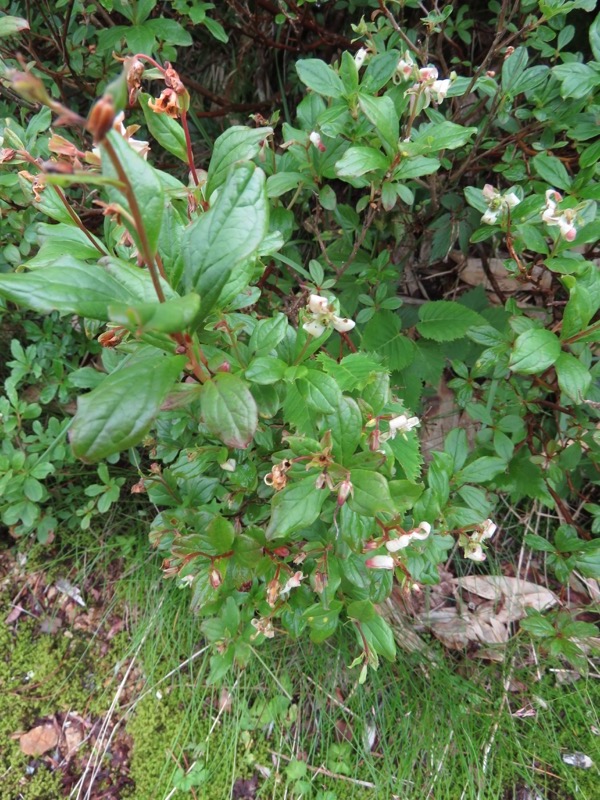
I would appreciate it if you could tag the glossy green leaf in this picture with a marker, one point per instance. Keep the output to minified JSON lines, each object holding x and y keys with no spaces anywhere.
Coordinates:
{"x":9,"y":26}
{"x":74,"y":287}
{"x":345,"y":424}
{"x":166,"y":130}
{"x":237,"y":144}
{"x":573,"y":377}
{"x":295,"y":507}
{"x":320,"y":77}
{"x":371,"y":493}
{"x":444,"y":320}
{"x":552,"y":170}
{"x":358,"y":160}
{"x":171,"y":317}
{"x":220,"y":246}
{"x":320,"y":392}
{"x":229,"y":410}
{"x":534,"y":351}
{"x":265,"y":370}
{"x":145,"y":183}
{"x":119,"y":412}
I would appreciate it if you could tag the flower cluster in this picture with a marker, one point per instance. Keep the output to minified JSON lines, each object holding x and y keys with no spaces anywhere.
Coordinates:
{"x":564,"y":219}
{"x":421,"y":532}
{"x":472,"y":542}
{"x":427,"y":83}
{"x":497,"y":203}
{"x":321,"y":316}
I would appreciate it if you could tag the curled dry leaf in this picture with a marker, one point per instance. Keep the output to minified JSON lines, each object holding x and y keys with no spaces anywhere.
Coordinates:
{"x":39,"y":740}
{"x":512,"y":594}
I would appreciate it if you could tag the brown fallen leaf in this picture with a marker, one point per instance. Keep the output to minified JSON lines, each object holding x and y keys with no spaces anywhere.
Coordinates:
{"x":39,"y":740}
{"x":514,"y":594}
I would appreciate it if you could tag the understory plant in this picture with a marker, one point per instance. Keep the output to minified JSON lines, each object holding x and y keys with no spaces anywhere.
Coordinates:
{"x":251,"y":360}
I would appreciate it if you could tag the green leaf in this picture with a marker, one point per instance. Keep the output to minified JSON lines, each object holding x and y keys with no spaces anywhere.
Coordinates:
{"x":346,"y":429}
{"x":380,"y":637}
{"x":358,"y":160}
{"x":74,"y":287}
{"x":379,"y":71}
{"x":415,"y":167}
{"x":219,"y":247}
{"x":371,"y":493}
{"x":229,"y":410}
{"x":534,"y":351}
{"x":481,"y":470}
{"x":382,"y":335}
{"x":595,"y":37}
{"x":382,"y":113}
{"x":436,"y":136}
{"x":9,"y":26}
{"x":320,"y":77}
{"x":170,"y":317}
{"x":512,"y":67}
{"x":444,"y":320}
{"x":320,"y":391}
{"x":236,"y":144}
{"x":552,"y":170}
{"x":119,"y":412}
{"x":265,"y":370}
{"x":145,"y":184}
{"x":295,"y":507}
{"x":407,"y":452}
{"x":573,"y":377}
{"x":167,"y":131}
{"x":537,"y":625}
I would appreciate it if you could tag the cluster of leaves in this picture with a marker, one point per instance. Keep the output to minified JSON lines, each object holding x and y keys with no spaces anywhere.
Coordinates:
{"x":268,"y":430}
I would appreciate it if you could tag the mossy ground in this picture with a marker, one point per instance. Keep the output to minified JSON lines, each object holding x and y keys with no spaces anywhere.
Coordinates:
{"x":294,"y":724}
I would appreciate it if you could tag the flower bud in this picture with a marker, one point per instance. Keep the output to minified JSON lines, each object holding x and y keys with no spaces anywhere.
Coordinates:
{"x":101,"y":118}
{"x":215,"y":578}
{"x":380,"y":562}
{"x":344,"y":491}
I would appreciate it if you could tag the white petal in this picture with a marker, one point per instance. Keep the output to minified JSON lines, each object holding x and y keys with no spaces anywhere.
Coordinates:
{"x":343,"y":325}
{"x":380,"y":562}
{"x":490,"y":217}
{"x":398,"y":544}
{"x":314,"y":328}
{"x":511,"y":199}
{"x":318,"y":304}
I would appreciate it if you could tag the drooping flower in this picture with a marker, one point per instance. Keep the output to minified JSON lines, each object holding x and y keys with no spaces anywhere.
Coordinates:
{"x":380,"y":562}
{"x":497,"y":203}
{"x":292,"y":583}
{"x":264,"y":626}
{"x":421,"y":532}
{"x":472,"y":543}
{"x":360,"y":57}
{"x":167,"y":103}
{"x":405,"y":66}
{"x":321,"y":316}
{"x":439,"y":89}
{"x":403,"y":424}
{"x":564,"y":220}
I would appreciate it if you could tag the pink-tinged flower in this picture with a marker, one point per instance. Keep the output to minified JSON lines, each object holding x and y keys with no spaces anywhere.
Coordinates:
{"x":344,"y":491}
{"x":405,"y":66}
{"x":498,"y":204}
{"x":489,"y":192}
{"x":292,"y":583}
{"x":315,"y":139}
{"x":215,"y":578}
{"x":428,"y":74}
{"x":360,"y":57}
{"x":488,"y":529}
{"x":380,"y":562}
{"x":564,"y":219}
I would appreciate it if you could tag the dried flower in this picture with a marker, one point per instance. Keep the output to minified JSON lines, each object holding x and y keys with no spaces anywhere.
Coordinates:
{"x":264,"y":626}
{"x":292,"y":583}
{"x":167,"y":103}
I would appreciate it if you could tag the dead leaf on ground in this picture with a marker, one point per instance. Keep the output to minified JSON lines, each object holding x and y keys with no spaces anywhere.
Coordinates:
{"x":513,"y":594}
{"x":39,"y":740}
{"x":578,"y":760}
